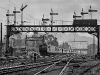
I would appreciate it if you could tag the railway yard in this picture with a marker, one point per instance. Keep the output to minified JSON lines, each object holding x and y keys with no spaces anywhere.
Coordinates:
{"x":43,"y":47}
{"x":69,"y":64}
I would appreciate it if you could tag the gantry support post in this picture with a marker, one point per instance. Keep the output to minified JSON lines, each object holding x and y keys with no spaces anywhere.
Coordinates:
{"x":7,"y":40}
{"x":98,"y":35}
{"x":1,"y":42}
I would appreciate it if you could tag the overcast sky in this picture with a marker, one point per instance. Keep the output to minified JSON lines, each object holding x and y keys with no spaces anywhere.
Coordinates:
{"x":65,"y":8}
{"x":36,"y":8}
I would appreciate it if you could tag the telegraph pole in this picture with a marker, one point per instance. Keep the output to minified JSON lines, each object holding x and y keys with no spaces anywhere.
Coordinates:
{"x":22,"y":15}
{"x":15,"y":15}
{"x":44,"y":20}
{"x":51,"y":13}
{"x":7,"y":17}
{"x":75,"y":16}
{"x":90,"y":10}
{"x":51,"y":17}
{"x":7,"y":33}
{"x":22,"y":8}
{"x":83,"y":13}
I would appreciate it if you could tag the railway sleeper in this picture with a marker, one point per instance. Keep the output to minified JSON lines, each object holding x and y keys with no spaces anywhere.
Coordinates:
{"x":60,"y":64}
{"x":70,"y":71}
{"x":23,"y":67}
{"x":43,"y":72}
{"x":76,"y":65}
{"x":64,"y":61}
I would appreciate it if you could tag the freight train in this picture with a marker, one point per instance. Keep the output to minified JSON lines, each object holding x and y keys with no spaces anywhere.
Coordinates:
{"x":47,"y":50}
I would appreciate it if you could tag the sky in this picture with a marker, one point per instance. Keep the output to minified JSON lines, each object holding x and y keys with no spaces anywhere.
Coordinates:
{"x":35,"y":9}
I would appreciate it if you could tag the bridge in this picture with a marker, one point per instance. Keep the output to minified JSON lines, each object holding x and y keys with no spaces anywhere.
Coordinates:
{"x":87,"y":25}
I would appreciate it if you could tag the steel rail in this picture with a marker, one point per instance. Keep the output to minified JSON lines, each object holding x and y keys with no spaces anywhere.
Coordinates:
{"x":22,"y":67}
{"x":89,"y":68}
{"x":26,"y":67}
{"x":47,"y":68}
{"x":50,"y":66}
{"x":63,"y":70}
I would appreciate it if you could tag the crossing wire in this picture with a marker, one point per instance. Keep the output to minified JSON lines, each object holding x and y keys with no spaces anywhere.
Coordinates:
{"x":3,"y":15}
{"x":18,"y":14}
{"x":14,"y":4}
{"x":3,"y":8}
{"x":10,"y":11}
{"x":24,"y":12}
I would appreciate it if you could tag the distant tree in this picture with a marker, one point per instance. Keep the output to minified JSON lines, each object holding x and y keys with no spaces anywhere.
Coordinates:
{"x":64,"y":45}
{"x":52,"y":40}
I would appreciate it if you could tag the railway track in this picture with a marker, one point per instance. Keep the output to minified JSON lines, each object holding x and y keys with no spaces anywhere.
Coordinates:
{"x":24,"y":67}
{"x":91,"y":70}
{"x":49,"y":68}
{"x":28,"y":66}
{"x":84,"y":68}
{"x":57,"y":68}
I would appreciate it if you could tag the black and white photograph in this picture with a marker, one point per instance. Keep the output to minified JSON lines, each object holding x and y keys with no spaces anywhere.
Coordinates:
{"x":49,"y":37}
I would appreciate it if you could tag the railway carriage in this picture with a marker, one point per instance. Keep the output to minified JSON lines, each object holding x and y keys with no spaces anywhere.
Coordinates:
{"x":43,"y":50}
{"x":47,"y":50}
